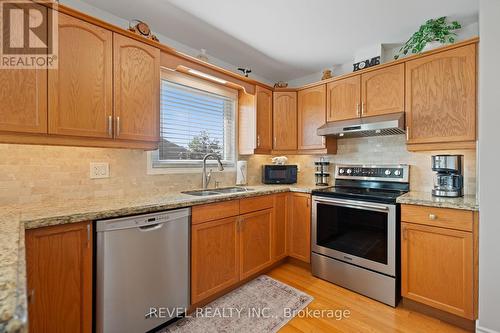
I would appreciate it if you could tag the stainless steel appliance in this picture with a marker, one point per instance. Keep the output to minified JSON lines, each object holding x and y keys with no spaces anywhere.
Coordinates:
{"x":142,"y":266}
{"x":355,"y":230}
{"x":448,"y":180}
{"x":388,"y":124}
{"x":279,"y":174}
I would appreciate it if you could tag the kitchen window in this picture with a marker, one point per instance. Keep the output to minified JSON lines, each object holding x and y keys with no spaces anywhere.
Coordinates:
{"x":196,"y":118}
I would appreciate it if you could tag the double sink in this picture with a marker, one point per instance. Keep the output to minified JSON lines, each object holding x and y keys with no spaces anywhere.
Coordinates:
{"x":216,"y":191}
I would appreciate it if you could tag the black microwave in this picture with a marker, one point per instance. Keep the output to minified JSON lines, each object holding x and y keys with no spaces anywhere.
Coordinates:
{"x":279,"y":174}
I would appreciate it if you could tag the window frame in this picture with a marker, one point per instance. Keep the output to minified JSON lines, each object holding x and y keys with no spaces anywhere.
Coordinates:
{"x":157,"y":166}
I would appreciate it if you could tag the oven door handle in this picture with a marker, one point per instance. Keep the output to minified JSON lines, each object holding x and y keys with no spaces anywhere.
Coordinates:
{"x":353,"y":205}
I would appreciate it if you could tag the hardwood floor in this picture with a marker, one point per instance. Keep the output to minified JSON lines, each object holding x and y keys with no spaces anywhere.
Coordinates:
{"x":366,"y":315}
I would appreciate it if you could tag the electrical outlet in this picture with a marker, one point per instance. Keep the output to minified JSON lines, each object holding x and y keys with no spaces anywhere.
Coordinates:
{"x":99,"y":170}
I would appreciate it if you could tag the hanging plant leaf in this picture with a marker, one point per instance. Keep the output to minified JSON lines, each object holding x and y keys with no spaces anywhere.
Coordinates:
{"x":433,"y":30}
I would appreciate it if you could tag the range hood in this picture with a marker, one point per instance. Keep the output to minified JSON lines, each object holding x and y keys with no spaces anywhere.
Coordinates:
{"x":388,"y":124}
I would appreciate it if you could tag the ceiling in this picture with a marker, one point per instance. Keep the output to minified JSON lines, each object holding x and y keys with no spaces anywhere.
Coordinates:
{"x":287,"y":39}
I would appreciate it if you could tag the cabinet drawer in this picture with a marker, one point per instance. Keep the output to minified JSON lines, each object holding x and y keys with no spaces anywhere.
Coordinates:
{"x":248,"y":205}
{"x":440,"y":217}
{"x":215,"y":211}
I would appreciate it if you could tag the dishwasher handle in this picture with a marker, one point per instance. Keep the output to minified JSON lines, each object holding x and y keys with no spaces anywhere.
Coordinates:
{"x":151,"y":227}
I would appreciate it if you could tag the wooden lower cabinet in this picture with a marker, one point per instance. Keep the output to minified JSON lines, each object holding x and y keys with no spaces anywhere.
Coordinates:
{"x":279,"y":230}
{"x":438,"y":266}
{"x":255,"y":242}
{"x":299,"y":224}
{"x":214,"y":257}
{"x":59,"y":271}
{"x":227,"y":247}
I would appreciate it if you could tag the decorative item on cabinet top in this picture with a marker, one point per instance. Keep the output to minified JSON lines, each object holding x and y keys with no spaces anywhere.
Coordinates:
{"x":281,"y":84}
{"x":142,"y":29}
{"x":432,"y":34}
{"x":366,"y":63}
{"x":327,"y":74}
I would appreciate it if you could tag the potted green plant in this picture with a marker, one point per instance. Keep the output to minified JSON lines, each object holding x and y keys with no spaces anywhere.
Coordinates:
{"x":433,"y":33}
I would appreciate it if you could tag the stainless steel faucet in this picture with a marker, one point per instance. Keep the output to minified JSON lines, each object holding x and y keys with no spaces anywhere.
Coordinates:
{"x":204,"y":177}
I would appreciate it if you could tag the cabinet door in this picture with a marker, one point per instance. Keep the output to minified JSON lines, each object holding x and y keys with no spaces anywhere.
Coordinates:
{"x":255,"y":240}
{"x":23,"y":97}
{"x":246,"y":124}
{"x":214,"y":257}
{"x":81,"y":88}
{"x":285,"y":120}
{"x":264,"y":99}
{"x":437,"y":268}
{"x":311,"y":115}
{"x":383,"y":91}
{"x":280,"y":215}
{"x":299,"y":226}
{"x":343,"y":99}
{"x":59,"y":271}
{"x":136,"y":90}
{"x":441,"y":96}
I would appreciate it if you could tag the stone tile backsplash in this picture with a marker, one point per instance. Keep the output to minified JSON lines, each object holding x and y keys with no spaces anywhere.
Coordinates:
{"x":31,"y":174}
{"x":373,"y":150}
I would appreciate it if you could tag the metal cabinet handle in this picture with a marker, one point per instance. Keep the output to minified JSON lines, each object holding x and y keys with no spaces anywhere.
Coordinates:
{"x":88,"y":235}
{"x":110,"y":125}
{"x":432,"y":217}
{"x":407,"y":133}
{"x":117,"y":126}
{"x":357,"y":110}
{"x":258,"y":140}
{"x":31,"y":296}
{"x":363,"y":108}
{"x":274,"y":142}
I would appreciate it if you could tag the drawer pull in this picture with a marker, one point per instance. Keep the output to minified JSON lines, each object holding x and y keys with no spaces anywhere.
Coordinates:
{"x":432,"y":217}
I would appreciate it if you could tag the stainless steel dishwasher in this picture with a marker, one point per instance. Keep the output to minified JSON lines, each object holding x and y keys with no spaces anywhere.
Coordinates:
{"x":142,"y":270}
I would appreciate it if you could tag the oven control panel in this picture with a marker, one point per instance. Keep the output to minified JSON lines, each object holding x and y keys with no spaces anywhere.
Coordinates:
{"x":387,"y":172}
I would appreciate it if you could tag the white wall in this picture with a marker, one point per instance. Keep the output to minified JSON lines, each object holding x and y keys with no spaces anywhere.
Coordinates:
{"x":489,"y":161}
{"x":123,"y":23}
{"x":388,"y":51}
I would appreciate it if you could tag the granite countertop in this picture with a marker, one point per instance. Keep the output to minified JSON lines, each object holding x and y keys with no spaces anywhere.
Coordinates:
{"x":15,"y":219}
{"x":467,"y":202}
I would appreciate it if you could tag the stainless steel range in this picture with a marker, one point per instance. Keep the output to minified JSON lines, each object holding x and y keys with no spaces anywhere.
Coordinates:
{"x":355,"y":230}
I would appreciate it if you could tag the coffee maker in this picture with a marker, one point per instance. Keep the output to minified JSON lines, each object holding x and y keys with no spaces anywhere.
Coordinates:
{"x":449,"y":179}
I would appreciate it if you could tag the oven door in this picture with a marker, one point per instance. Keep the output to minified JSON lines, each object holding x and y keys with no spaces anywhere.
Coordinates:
{"x":357,"y":232}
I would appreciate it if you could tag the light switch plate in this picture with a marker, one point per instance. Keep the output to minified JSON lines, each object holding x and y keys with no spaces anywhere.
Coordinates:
{"x":99,"y":170}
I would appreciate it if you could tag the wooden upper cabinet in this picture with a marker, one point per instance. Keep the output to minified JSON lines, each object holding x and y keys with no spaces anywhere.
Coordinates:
{"x":214,"y":257}
{"x":246,"y":123}
{"x":343,"y":99}
{"x":299,"y":226}
{"x":59,"y":274}
{"x":255,"y":241}
{"x":136,"y":90}
{"x":437,"y":268}
{"x":81,"y":88}
{"x":23,"y":98}
{"x":264,"y":106}
{"x":383,"y":91}
{"x":441,"y":96}
{"x":285,"y":121}
{"x":311,"y":116}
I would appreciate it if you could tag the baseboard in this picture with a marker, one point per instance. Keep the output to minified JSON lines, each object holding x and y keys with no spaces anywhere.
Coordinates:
{"x":466,"y":324}
{"x":480,"y":329}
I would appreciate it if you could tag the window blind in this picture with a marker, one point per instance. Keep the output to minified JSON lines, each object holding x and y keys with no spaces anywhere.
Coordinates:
{"x":193,"y":123}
